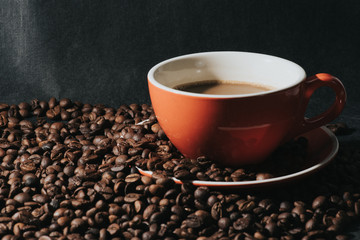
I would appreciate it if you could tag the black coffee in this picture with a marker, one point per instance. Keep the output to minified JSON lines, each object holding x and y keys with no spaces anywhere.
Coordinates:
{"x":220,"y":87}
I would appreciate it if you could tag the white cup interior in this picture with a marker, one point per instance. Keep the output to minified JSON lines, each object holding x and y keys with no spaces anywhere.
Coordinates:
{"x":245,"y":67}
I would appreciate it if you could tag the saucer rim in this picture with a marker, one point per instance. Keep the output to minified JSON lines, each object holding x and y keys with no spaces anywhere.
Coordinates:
{"x":329,"y":157}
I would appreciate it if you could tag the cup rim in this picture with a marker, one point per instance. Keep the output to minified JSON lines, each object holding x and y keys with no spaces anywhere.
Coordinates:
{"x":151,"y":78}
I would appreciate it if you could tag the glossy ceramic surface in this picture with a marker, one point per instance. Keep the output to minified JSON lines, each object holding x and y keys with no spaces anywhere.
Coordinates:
{"x":236,"y":129}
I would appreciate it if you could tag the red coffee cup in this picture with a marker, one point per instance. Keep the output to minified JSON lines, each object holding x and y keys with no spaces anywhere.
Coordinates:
{"x":240,"y":129}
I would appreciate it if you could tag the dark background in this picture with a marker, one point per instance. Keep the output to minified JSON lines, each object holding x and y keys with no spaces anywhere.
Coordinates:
{"x":101,"y":51}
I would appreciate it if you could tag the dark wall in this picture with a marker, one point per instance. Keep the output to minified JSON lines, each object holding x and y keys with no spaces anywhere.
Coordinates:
{"x":100,"y":51}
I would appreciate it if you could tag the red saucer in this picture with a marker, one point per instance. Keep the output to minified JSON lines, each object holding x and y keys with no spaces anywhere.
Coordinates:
{"x":322,"y":148}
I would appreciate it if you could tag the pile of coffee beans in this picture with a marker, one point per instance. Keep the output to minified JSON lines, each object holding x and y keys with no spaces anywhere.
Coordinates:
{"x":291,"y":157}
{"x":68,"y":171}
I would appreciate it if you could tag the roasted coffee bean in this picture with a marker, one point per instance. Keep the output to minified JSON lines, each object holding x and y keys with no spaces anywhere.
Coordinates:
{"x":246,"y":206}
{"x":319,"y":202}
{"x":52,"y":102}
{"x":149,"y":210}
{"x":132,"y":178}
{"x":132,"y":197}
{"x":30,"y":179}
{"x":224,"y":223}
{"x":155,"y":128}
{"x":3,"y":121}
{"x":272,"y":228}
{"x":193,"y":221}
{"x":156,"y":189}
{"x":241,"y":224}
{"x":40,"y":198}
{"x":217,"y":210}
{"x":148,"y":235}
{"x":285,"y":206}
{"x":182,"y":174}
{"x":65,"y":103}
{"x":22,"y":197}
{"x":65,"y":115}
{"x":53,"y":113}
{"x":310,"y":225}
{"x":202,"y":193}
{"x":113,"y":229}
{"x":63,"y":221}
{"x":4,"y":106}
{"x":156,"y":217}
{"x":262,"y":176}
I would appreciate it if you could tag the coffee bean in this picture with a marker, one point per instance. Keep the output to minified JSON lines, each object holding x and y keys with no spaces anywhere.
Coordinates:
{"x":52,"y":102}
{"x":156,"y":189}
{"x":19,"y":231}
{"x":149,"y":210}
{"x":310,"y":225}
{"x":30,"y":179}
{"x":182,"y":174}
{"x":285,"y":206}
{"x":113,"y":229}
{"x":4,"y":106}
{"x":155,"y":128}
{"x":149,"y":235}
{"x":246,"y":206}
{"x":241,"y":224}
{"x":22,"y":216}
{"x":53,"y":113}
{"x":3,"y":121}
{"x":132,"y":178}
{"x":224,"y":223}
{"x":193,"y":221}
{"x":22,"y":197}
{"x":65,"y":115}
{"x":263,"y":176}
{"x":132,"y":197}
{"x":217,"y":210}
{"x":65,"y":103}
{"x":298,"y":210}
{"x":319,"y":202}
{"x":63,"y":221}
{"x":161,"y":134}
{"x":77,"y":224}
{"x":202,"y":193}
{"x":156,"y":217}
{"x":272,"y":228}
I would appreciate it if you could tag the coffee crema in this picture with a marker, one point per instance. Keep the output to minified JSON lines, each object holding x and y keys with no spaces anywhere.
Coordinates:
{"x":222,"y":87}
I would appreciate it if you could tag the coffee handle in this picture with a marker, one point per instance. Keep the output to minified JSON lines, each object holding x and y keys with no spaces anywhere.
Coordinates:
{"x":310,"y":85}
